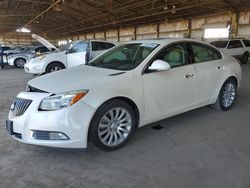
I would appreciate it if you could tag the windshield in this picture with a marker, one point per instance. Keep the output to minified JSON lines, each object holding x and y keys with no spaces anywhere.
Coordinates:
{"x":124,"y":56}
{"x":67,"y":46}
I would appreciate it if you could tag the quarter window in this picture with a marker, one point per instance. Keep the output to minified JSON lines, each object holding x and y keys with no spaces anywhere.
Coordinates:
{"x":203,"y":53}
{"x":247,"y":43}
{"x":175,"y":55}
{"x":235,"y":44}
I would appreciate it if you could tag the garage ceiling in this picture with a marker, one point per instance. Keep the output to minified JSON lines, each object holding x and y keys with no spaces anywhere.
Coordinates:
{"x":68,"y":17}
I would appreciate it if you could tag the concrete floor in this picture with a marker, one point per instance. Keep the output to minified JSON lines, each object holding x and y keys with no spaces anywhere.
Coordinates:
{"x":203,"y":148}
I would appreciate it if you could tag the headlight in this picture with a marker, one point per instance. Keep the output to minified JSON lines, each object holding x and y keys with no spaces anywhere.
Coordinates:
{"x":59,"y":101}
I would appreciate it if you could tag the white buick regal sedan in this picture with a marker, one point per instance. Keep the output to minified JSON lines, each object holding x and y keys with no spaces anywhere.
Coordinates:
{"x":127,"y":87}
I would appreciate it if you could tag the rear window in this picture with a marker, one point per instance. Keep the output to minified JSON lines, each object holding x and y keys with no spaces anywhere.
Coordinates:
{"x":220,"y":44}
{"x":247,"y":43}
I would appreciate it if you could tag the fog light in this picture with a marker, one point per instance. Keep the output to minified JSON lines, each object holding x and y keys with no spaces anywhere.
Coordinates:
{"x":47,"y":135}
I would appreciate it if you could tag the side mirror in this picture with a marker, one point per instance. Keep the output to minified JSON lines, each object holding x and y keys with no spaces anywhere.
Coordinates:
{"x":159,"y":65}
{"x":67,"y":51}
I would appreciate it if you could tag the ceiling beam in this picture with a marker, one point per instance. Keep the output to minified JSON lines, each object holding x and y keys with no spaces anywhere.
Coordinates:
{"x":43,"y":12}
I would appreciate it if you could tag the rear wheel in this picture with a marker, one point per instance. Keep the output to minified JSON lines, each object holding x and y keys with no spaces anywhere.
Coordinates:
{"x":19,"y":62}
{"x":112,"y":125}
{"x":244,"y":58}
{"x":54,"y":67}
{"x":227,"y":95}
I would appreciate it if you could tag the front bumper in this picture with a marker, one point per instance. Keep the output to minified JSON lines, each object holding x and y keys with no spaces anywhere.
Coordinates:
{"x":72,"y":121}
{"x":11,"y":61}
{"x":34,"y":68}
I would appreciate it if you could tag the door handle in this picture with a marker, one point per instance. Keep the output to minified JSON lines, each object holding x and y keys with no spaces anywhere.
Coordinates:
{"x":220,"y":68}
{"x":189,"y":75}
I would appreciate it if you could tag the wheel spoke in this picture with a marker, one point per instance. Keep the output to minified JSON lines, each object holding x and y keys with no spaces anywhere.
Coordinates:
{"x":122,"y":114}
{"x":115,"y":138}
{"x":107,"y":119}
{"x":117,"y":111}
{"x":110,"y":139}
{"x":102,"y":125}
{"x":106,"y":137}
{"x":123,"y":130}
{"x":103,"y":132}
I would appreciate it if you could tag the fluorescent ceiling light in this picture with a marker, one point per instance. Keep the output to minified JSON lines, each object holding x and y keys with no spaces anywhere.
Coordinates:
{"x":23,"y":30}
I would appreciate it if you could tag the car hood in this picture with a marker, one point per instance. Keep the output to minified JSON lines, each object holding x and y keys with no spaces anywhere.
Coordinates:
{"x":76,"y":78}
{"x":44,"y":42}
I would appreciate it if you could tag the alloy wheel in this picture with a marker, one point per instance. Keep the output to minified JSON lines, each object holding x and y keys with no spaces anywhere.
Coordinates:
{"x":228,"y":95}
{"x":115,"y":126}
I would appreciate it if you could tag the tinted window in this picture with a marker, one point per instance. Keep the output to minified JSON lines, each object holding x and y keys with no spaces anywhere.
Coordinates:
{"x":6,"y":48}
{"x":98,"y":46}
{"x":175,"y":55}
{"x":79,"y":47}
{"x":203,"y":53}
{"x":108,"y":45}
{"x":220,"y":44}
{"x":235,"y":44}
{"x":247,"y":43}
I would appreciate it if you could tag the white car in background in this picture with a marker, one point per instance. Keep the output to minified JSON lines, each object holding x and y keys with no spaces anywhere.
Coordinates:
{"x":70,"y":55}
{"x":18,"y":60}
{"x":129,"y":86}
{"x":238,"y":48}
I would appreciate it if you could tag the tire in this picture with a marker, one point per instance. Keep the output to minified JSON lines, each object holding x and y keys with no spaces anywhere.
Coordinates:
{"x":2,"y":66}
{"x":19,"y":62}
{"x":109,"y":133}
{"x":227,"y":96}
{"x":244,"y":58}
{"x":52,"y":67}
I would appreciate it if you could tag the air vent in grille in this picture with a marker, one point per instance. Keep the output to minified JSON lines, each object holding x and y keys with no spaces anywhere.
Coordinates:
{"x":19,"y":106}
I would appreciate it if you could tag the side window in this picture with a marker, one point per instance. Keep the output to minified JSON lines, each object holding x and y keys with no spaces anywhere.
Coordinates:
{"x":247,"y":43}
{"x":97,"y":46}
{"x":203,"y":53}
{"x":79,"y":47}
{"x":220,"y":44}
{"x":175,"y":55}
{"x":235,"y":44}
{"x":108,"y":45}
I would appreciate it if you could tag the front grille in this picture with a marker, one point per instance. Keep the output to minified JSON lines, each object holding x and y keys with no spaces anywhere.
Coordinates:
{"x":19,"y":106}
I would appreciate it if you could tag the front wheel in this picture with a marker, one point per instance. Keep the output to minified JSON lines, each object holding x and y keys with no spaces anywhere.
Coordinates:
{"x":227,"y":95}
{"x":112,"y":125}
{"x":20,"y":62}
{"x":54,"y":67}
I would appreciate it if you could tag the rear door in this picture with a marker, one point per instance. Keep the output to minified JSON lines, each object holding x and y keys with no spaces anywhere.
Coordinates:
{"x":77,"y":55}
{"x":235,"y":48}
{"x":208,"y":65}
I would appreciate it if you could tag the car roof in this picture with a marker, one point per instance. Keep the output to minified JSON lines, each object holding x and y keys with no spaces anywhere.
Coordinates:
{"x":90,"y":40}
{"x":229,"y":39}
{"x":163,"y":41}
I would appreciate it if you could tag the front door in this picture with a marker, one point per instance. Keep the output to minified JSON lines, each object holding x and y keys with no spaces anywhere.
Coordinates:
{"x":169,"y":92}
{"x":77,"y":54}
